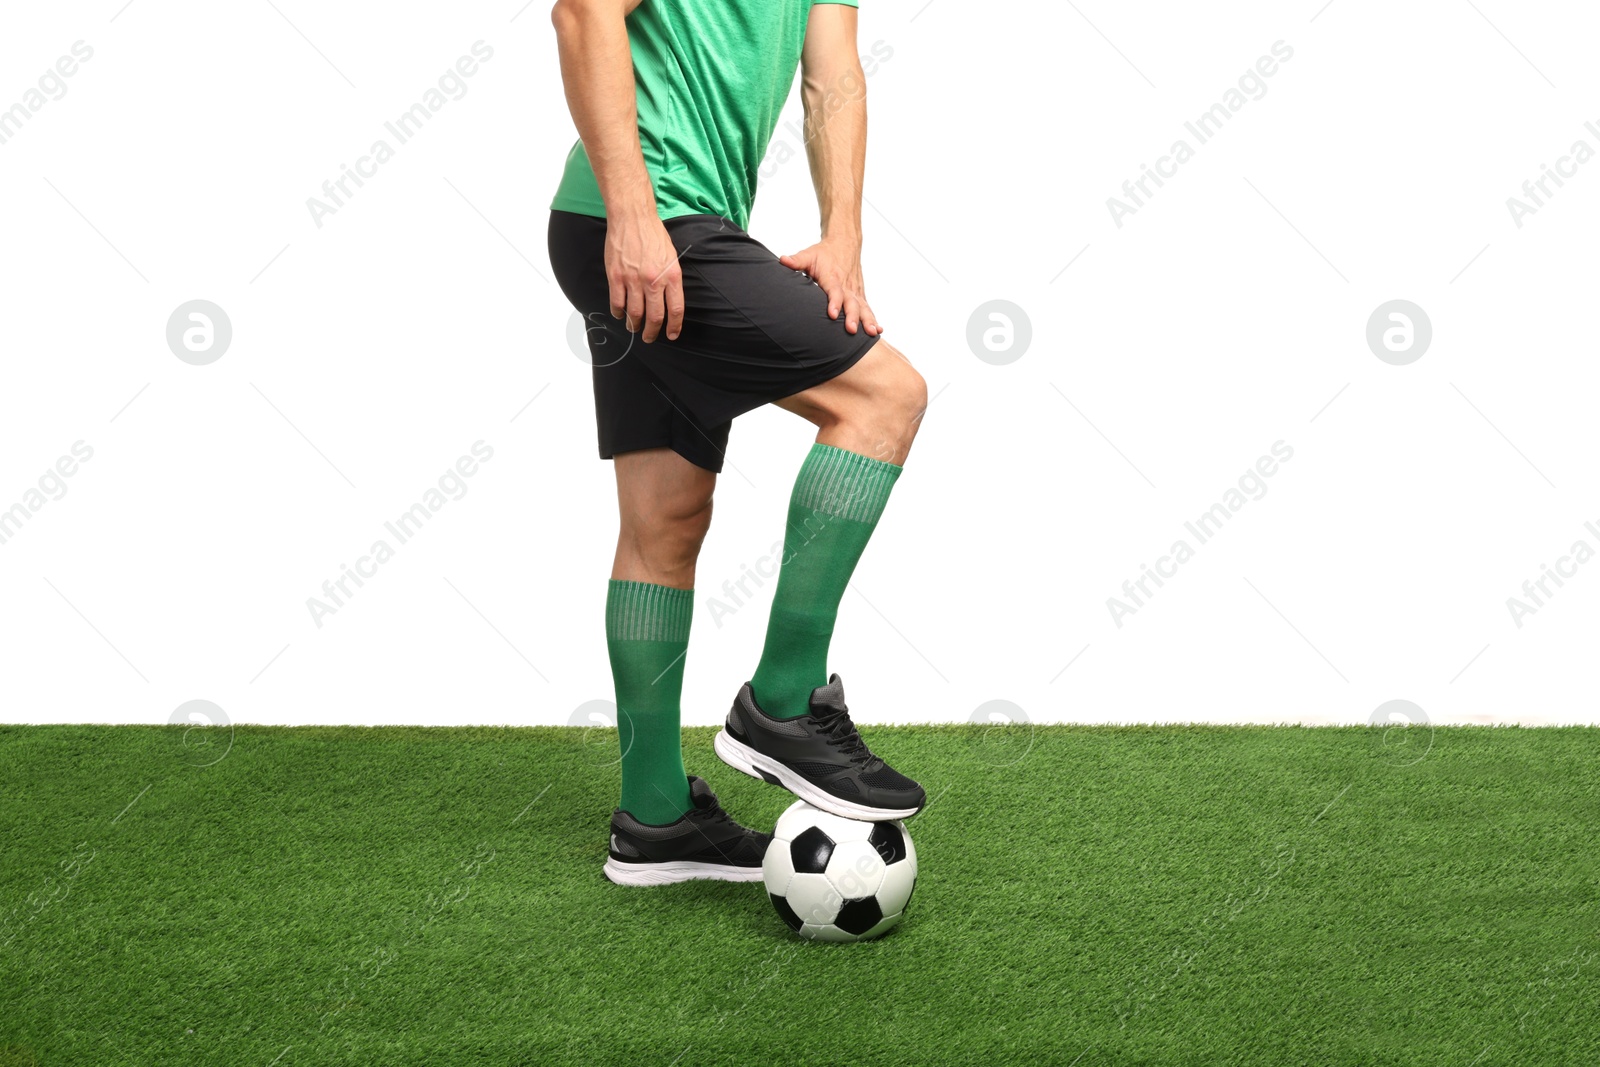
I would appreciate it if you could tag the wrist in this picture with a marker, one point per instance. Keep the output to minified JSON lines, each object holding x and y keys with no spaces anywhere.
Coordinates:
{"x":630,"y":201}
{"x":844,"y":237}
{"x":841,"y":224}
{"x":631,"y":210}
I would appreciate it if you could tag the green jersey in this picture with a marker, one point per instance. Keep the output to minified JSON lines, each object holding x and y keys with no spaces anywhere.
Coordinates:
{"x":711,"y":77}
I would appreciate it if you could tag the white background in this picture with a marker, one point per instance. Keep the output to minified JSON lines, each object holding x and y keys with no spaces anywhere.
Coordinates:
{"x":1227,"y":314}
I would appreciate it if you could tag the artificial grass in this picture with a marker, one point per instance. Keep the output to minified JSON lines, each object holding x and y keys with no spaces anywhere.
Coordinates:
{"x":1088,"y":895}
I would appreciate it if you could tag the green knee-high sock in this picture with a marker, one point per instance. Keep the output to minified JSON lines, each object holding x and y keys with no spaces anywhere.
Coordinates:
{"x":647,"y":635}
{"x":837,"y":500}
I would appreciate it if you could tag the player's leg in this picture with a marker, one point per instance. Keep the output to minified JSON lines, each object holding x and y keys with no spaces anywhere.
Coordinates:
{"x":866,"y":419}
{"x":664,"y":505}
{"x":790,"y":723}
{"x":668,"y":826}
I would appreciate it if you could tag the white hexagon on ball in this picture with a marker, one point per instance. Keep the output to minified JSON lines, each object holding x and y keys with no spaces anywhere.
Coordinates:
{"x":776,"y":870}
{"x":813,"y":899}
{"x":856,"y":870}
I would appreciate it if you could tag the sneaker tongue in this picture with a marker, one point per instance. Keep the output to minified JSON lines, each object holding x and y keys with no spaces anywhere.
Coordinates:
{"x":830,"y":695}
{"x":700,"y":794}
{"x":828,"y":700}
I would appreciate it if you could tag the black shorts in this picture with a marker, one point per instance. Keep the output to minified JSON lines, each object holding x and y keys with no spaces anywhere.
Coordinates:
{"x":754,"y":331}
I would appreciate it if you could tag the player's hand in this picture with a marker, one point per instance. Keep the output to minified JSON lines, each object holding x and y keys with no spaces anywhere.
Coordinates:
{"x":646,"y":281}
{"x":836,"y":267}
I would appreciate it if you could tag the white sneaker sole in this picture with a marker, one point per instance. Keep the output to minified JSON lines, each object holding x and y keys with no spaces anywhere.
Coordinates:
{"x":683,"y":871}
{"x":741,"y":757}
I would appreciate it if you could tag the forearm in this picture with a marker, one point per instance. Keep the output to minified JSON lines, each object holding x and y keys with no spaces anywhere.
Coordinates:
{"x":597,"y":73}
{"x":836,"y":146}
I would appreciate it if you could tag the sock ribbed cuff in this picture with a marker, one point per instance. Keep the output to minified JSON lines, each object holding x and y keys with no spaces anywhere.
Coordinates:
{"x":641,"y":611}
{"x":844,"y":484}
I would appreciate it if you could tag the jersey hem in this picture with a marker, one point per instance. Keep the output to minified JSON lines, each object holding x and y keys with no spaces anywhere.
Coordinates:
{"x":585,"y":207}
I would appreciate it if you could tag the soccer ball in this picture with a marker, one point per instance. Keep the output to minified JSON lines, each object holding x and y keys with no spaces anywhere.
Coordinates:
{"x":835,"y":879}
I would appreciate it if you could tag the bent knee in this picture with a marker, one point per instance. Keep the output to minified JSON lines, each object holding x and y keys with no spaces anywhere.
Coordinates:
{"x":873,"y":408}
{"x":900,"y":395}
{"x":891,"y":413}
{"x":913,"y":393}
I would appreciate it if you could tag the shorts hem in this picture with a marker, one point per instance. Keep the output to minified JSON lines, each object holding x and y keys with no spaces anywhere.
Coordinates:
{"x":706,"y":457}
{"x":817,"y":375}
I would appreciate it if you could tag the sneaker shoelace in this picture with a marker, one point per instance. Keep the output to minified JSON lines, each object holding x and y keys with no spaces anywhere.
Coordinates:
{"x":836,"y":726}
{"x":713,"y":815}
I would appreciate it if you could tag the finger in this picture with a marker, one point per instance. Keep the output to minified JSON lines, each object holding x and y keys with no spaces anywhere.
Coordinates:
{"x":869,"y":320}
{"x":852,"y":313}
{"x":835,"y":302}
{"x":674,"y":307}
{"x":635,"y":305}
{"x":655,"y":313}
{"x":619,"y":295}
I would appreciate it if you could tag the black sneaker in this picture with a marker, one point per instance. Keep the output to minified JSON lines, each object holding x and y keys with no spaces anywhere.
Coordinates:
{"x":819,"y":757}
{"x":704,"y":843}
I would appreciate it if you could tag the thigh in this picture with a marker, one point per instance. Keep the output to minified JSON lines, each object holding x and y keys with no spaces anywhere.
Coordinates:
{"x":882,"y":373}
{"x":659,"y":485}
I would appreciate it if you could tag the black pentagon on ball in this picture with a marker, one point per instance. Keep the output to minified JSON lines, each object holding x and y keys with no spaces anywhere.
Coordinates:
{"x":811,"y":851}
{"x":859,"y":916}
{"x":785,"y":912}
{"x":889,"y":841}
